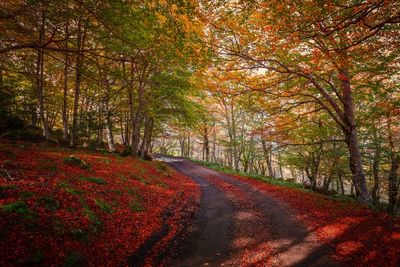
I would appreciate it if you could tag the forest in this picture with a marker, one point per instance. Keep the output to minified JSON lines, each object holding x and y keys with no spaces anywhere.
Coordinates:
{"x":299,"y":93}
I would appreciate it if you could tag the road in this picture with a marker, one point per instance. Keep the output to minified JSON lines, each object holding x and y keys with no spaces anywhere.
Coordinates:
{"x":239,"y":225}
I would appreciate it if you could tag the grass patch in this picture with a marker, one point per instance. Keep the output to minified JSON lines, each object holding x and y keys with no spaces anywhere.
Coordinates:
{"x":49,"y":202}
{"x":133,"y":192}
{"x":104,"y":206}
{"x":140,"y":179}
{"x":69,"y":189}
{"x":19,"y":207}
{"x":27,"y":194}
{"x":270,"y":180}
{"x":74,"y":160}
{"x":79,"y":234}
{"x":74,"y":259}
{"x":88,"y":213}
{"x":105,"y":160}
{"x":136,"y":206}
{"x":5,"y":188}
{"x":48,"y":166}
{"x":93,"y":180}
{"x":162,"y":184}
{"x":163,"y":168}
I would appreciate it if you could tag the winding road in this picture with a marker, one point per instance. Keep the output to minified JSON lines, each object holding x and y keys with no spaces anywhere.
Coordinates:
{"x":239,"y":225}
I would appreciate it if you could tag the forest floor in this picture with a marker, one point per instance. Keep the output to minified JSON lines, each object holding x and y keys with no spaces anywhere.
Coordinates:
{"x":245,"y":222}
{"x":63,"y":207}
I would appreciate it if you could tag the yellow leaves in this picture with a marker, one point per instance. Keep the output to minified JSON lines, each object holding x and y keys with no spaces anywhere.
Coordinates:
{"x":185,"y":21}
{"x":161,"y":18}
{"x":174,"y":9}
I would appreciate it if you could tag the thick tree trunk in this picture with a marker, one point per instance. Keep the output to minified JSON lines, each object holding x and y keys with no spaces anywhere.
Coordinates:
{"x":80,"y":44}
{"x":138,"y":116}
{"x":350,"y":132}
{"x":341,"y":183}
{"x":146,"y":142}
{"x":267,"y":157}
{"x":394,"y":168}
{"x":393,"y":183}
{"x":136,"y":125}
{"x":65,"y":92}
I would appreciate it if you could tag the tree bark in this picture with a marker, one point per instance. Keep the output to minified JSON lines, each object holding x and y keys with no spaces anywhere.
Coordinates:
{"x":80,"y":45}
{"x":394,"y":168}
{"x":65,"y":92}
{"x":375,"y":170}
{"x":40,"y":80}
{"x":350,"y":132}
{"x":146,"y":142}
{"x":110,"y":136}
{"x":267,"y":157}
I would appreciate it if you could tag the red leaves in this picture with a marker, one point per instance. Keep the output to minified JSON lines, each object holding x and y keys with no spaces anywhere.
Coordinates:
{"x":359,"y":235}
{"x":87,"y":211}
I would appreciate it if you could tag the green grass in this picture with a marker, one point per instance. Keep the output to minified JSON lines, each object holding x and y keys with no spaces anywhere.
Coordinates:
{"x":104,"y":206}
{"x":163,"y":168}
{"x":5,"y":188}
{"x":74,"y":259}
{"x":270,"y":180}
{"x":93,"y":180}
{"x":136,"y":206}
{"x":69,"y":189}
{"x":19,"y":207}
{"x":49,"y":202}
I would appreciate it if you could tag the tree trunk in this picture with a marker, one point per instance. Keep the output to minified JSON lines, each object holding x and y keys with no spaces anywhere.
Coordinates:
{"x":40,"y":81}
{"x":110,"y":136}
{"x":393,"y":176}
{"x":138,"y":116}
{"x":65,"y":95}
{"x":267,"y":157}
{"x":80,"y":44}
{"x":375,"y":170}
{"x":350,"y":132}
{"x":146,"y":142}
{"x":207,"y":148}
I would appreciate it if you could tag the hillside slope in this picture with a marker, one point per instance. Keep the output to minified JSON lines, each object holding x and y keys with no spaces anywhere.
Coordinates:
{"x":69,"y":207}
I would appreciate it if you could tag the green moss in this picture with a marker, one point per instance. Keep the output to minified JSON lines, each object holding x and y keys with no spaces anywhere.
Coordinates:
{"x":74,"y":160}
